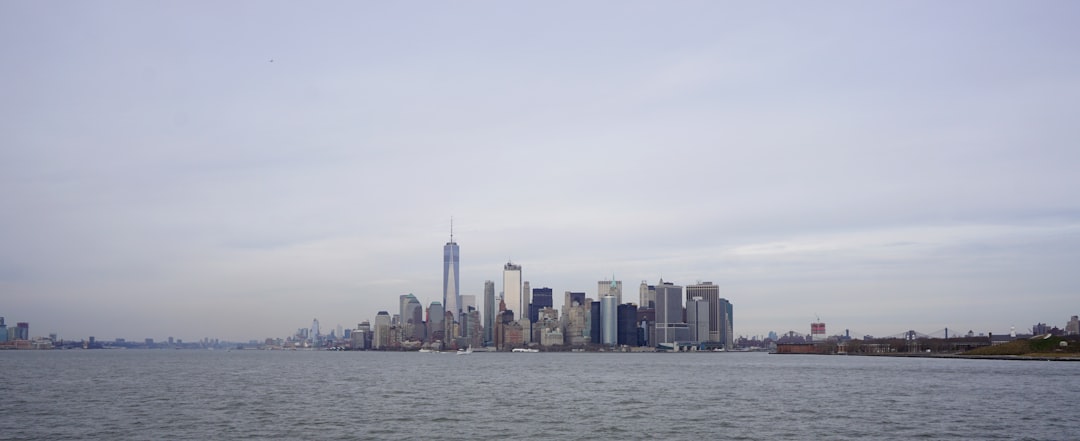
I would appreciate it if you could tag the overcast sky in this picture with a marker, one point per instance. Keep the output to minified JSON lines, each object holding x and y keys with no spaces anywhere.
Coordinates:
{"x":234,"y":169}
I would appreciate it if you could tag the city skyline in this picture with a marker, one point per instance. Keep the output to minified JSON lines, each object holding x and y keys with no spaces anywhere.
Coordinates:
{"x":883,"y":166}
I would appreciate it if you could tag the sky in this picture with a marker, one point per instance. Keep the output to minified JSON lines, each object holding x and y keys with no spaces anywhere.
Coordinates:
{"x":233,"y":170}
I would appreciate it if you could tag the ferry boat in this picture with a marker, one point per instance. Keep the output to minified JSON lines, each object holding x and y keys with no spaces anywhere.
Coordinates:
{"x":524,"y":350}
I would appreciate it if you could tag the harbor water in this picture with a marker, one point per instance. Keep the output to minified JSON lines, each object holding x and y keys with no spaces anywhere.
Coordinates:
{"x":198,"y":395}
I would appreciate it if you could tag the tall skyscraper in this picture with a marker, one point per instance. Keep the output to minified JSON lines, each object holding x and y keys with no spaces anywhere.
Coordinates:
{"x":526,"y":299}
{"x":512,"y":290}
{"x":710,"y":293}
{"x":629,"y":333}
{"x":382,"y":330}
{"x":541,"y":298}
{"x":489,"y":312}
{"x":451,"y":288}
{"x":412,"y":318}
{"x":698,"y":318}
{"x":613,"y":287}
{"x":647,"y":295}
{"x":670,"y":327}
{"x":435,"y":326}
{"x":727,"y":324}
{"x":609,"y":319}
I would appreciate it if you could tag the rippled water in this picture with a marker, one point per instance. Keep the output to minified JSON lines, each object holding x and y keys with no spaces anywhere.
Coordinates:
{"x":369,"y":395}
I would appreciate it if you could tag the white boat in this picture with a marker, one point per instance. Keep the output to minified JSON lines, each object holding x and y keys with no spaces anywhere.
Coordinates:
{"x":524,"y":350}
{"x":466,"y":351}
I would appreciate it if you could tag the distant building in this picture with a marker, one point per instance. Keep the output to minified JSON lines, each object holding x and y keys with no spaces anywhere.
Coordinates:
{"x":575,"y":320}
{"x":1071,"y":328}
{"x":412,"y":319}
{"x":22,"y":331}
{"x":489,"y":312}
{"x":435,"y":322}
{"x":609,"y":319}
{"x":670,"y":326}
{"x":541,"y":298}
{"x":817,"y":331}
{"x":451,"y":264}
{"x":698,"y":319}
{"x":382,"y":331}
{"x":512,"y":294}
{"x":720,"y":313}
{"x":629,"y":333}
{"x":646,"y":322}
{"x":647,"y":295}
{"x":595,"y":324}
{"x":612,"y":287}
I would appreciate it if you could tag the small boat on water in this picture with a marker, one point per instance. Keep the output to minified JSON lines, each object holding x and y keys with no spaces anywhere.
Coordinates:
{"x":524,"y":350}
{"x":466,"y":351}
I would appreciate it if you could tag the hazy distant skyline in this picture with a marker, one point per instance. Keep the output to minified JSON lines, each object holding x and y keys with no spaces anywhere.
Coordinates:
{"x":232,"y":170}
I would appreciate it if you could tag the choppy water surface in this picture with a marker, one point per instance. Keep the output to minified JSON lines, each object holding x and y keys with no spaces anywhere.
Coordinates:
{"x":165,"y":394}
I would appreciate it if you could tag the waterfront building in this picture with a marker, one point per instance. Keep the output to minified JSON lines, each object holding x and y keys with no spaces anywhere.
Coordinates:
{"x":609,"y":332}
{"x":551,"y":337}
{"x":541,"y":298}
{"x":646,"y":320}
{"x":435,"y":317}
{"x":670,"y":326}
{"x":817,"y":331}
{"x":473,"y":330}
{"x":572,"y":298}
{"x":711,"y":294}
{"x":647,"y":294}
{"x":1071,"y":328}
{"x":526,"y":300}
{"x":628,"y":334}
{"x":451,"y":264}
{"x":22,"y":331}
{"x":612,"y":287}
{"x":594,"y":323}
{"x":547,"y":320}
{"x":512,"y":294}
{"x":412,"y":319}
{"x":468,"y":301}
{"x":697,"y":319}
{"x":3,"y":330}
{"x":450,"y":329}
{"x":727,"y":321}
{"x":576,"y":320}
{"x":489,"y":312}
{"x":382,"y":330}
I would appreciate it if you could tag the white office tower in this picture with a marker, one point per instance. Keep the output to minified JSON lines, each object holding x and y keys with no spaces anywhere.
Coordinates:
{"x":647,"y":296}
{"x":382,"y":331}
{"x":609,"y":320}
{"x":512,"y":290}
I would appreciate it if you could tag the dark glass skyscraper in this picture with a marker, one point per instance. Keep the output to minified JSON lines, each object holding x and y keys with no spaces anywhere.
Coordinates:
{"x":489,"y":312}
{"x":541,"y":298}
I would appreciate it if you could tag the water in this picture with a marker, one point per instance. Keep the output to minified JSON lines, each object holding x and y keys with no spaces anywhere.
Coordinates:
{"x":162,"y":394}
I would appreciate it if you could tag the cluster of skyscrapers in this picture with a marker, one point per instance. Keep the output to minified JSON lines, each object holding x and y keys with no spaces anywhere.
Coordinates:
{"x":667,"y":315}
